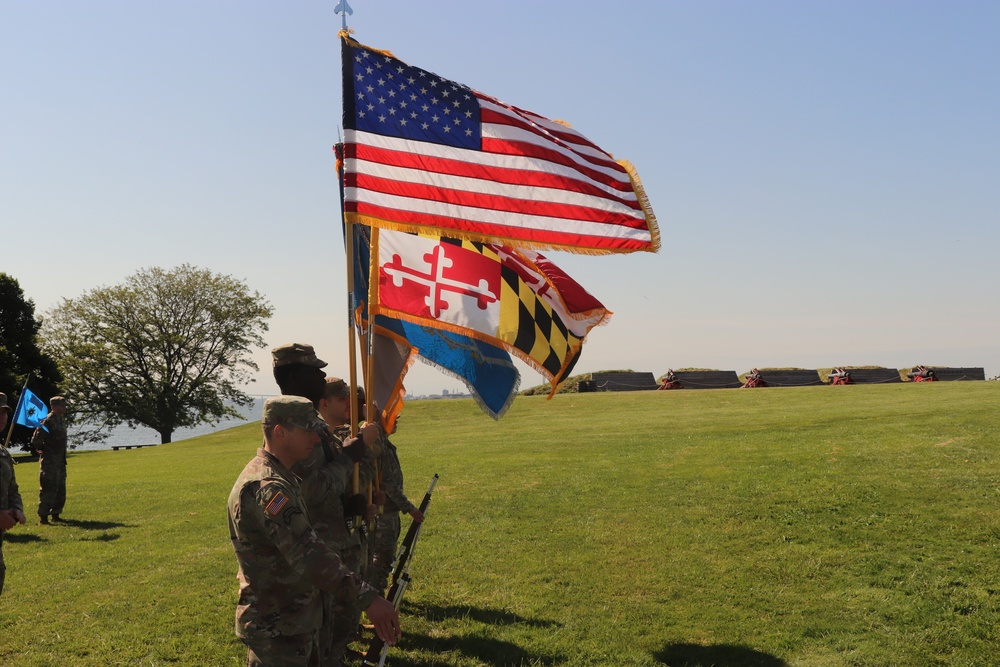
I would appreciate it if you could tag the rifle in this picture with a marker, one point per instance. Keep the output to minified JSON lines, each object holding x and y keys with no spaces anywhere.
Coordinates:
{"x":375,"y":657}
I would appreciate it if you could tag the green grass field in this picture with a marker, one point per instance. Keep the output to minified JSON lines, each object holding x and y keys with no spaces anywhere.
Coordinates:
{"x":851,"y":525}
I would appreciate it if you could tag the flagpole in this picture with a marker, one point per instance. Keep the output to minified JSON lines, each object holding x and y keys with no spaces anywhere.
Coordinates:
{"x":370,"y":372}
{"x":344,"y":10}
{"x":373,"y":299}
{"x":10,"y":427}
{"x":370,"y":385}
{"x":352,"y":342}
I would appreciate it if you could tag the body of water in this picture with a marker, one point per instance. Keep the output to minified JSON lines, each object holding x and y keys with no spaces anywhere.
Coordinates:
{"x":125,"y":436}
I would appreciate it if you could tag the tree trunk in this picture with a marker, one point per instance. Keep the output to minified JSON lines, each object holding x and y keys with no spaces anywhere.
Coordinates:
{"x":165,"y":437}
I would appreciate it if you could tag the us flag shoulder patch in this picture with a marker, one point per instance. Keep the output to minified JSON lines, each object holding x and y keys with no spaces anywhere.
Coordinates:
{"x":277,"y":504}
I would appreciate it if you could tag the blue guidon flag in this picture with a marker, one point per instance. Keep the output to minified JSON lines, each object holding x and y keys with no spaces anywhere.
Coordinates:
{"x":31,"y":410}
{"x":425,"y":154}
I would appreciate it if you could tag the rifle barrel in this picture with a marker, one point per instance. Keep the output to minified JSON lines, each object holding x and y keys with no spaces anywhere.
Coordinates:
{"x":378,"y":649}
{"x":410,"y":540}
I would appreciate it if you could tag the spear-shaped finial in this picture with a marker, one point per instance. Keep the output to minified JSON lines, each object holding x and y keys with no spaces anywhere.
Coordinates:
{"x":344,"y":10}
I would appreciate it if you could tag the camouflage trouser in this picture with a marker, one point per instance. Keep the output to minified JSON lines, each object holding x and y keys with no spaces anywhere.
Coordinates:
{"x":3,"y":567}
{"x":340,"y":620}
{"x":383,"y":547}
{"x":283,"y":651}
{"x":357,"y":558}
{"x":52,"y":490}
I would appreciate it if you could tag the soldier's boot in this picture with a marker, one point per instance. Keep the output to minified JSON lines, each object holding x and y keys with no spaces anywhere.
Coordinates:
{"x":55,"y":517}
{"x":43,"y":520}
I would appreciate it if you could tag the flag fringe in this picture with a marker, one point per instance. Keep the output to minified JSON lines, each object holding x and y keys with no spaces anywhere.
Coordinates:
{"x":392,"y":412}
{"x":479,"y":400}
{"x":604,"y":321}
{"x":415,"y":355}
{"x":346,"y":36}
{"x":490,"y":340}
{"x":647,"y":208}
{"x":570,"y":358}
{"x":580,"y":315}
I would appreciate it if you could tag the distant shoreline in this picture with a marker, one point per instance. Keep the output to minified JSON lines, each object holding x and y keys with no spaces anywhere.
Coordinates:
{"x":125,"y":436}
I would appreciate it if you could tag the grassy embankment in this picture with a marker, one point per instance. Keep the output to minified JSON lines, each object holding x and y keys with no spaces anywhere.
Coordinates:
{"x":811,"y":526}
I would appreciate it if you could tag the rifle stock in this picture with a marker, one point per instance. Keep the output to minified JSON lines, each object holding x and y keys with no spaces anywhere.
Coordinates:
{"x":375,"y":657}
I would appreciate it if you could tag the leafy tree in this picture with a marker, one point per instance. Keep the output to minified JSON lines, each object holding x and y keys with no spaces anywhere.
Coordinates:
{"x":20,"y":355}
{"x":164,"y":349}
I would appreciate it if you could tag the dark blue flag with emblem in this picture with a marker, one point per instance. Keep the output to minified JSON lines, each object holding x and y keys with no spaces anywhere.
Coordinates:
{"x":31,"y":410}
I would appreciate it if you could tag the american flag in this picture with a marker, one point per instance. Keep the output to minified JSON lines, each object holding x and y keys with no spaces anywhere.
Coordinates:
{"x":423,"y":153}
{"x":277,"y":504}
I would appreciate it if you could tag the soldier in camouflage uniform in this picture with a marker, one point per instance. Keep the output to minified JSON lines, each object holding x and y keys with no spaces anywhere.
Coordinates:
{"x":298,"y":371}
{"x":326,"y":487}
{"x":336,"y":411}
{"x":335,"y":408}
{"x":387,"y":525}
{"x":283,"y":565}
{"x":51,"y":447}
{"x":11,"y":508}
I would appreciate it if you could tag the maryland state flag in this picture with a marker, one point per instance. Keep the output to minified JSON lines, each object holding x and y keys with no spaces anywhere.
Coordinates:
{"x":514,"y":299}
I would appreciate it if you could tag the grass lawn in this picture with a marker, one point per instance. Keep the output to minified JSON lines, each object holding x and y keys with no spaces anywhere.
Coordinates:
{"x":850,"y":525}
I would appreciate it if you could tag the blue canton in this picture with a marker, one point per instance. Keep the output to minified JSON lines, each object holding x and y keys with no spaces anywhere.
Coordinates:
{"x":397,"y":100}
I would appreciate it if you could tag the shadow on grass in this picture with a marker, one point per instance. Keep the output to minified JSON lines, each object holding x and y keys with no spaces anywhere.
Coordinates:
{"x":437,"y":613}
{"x":22,"y":538}
{"x":90,"y":525}
{"x":486,"y":650}
{"x":86,"y":524}
{"x":718,"y":655}
{"x":103,"y":537}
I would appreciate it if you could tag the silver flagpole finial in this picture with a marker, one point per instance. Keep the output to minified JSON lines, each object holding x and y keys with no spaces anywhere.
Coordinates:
{"x":344,"y":10}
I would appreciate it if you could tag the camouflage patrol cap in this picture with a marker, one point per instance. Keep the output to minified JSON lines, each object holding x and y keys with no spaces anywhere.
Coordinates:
{"x":57,"y":400}
{"x":292,"y":411}
{"x":335,"y":387}
{"x":3,"y":404}
{"x":295,"y":353}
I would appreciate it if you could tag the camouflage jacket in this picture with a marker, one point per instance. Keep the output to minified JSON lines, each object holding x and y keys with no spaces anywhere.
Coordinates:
{"x":52,"y":443}
{"x":283,"y":564}
{"x":367,"y":467}
{"x":392,"y":479}
{"x":326,"y":482}
{"x":10,"y":498}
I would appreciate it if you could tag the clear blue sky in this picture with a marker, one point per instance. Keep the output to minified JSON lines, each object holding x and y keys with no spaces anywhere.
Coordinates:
{"x":826,"y":175}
